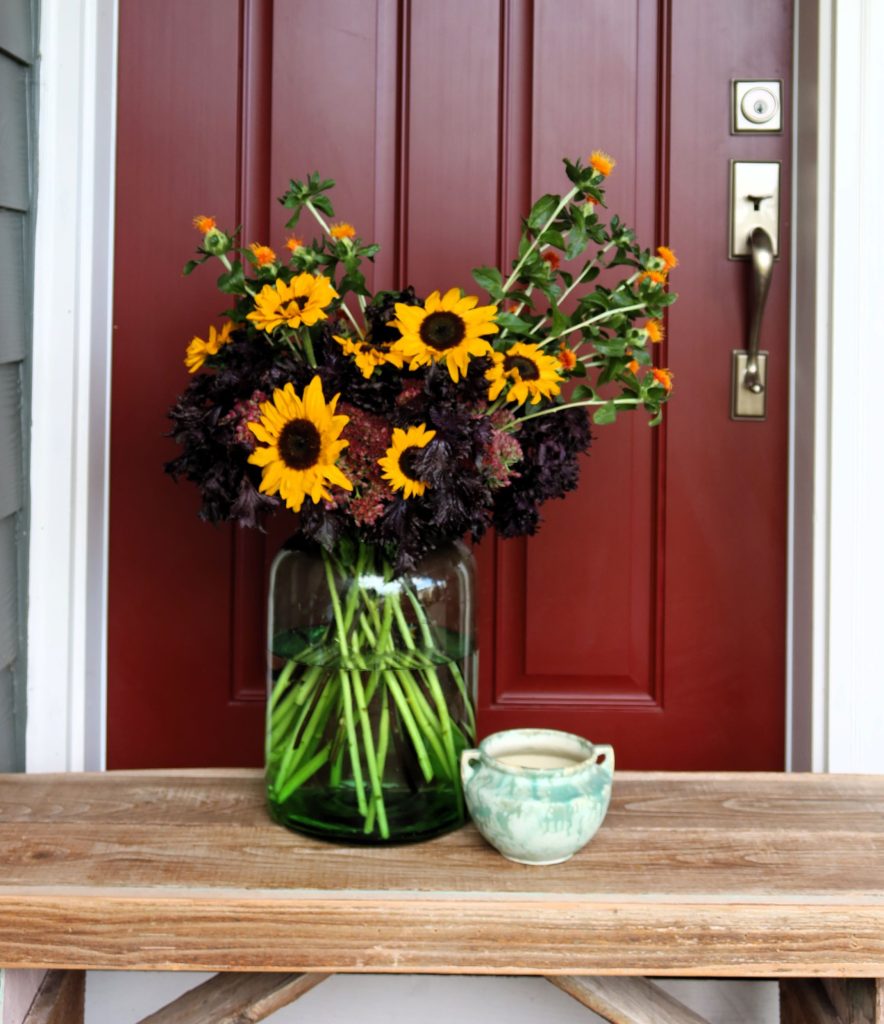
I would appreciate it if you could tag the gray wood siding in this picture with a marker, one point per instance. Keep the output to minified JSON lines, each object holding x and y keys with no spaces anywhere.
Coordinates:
{"x":17,"y":180}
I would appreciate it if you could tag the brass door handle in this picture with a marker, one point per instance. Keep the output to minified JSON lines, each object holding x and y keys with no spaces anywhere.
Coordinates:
{"x":762,"y":258}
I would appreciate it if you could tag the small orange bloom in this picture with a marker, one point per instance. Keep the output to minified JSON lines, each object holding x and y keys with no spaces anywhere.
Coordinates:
{"x":204,"y":224}
{"x":342,"y":230}
{"x":567,"y":358}
{"x":654,"y":330}
{"x":292,"y":243}
{"x":663,"y":377}
{"x":668,"y":256}
{"x":657,"y":276}
{"x":632,"y":366}
{"x":602,"y":163}
{"x":263,"y":254}
{"x":552,"y":258}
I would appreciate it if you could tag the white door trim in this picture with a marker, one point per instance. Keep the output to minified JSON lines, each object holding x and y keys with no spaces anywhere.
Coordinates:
{"x":835,"y":681}
{"x":71,"y":385}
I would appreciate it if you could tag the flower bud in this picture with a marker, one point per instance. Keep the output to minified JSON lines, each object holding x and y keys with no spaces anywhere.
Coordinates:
{"x":216,"y":242}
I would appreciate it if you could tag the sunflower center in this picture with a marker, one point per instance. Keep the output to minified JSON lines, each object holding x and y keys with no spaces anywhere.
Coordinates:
{"x":527,"y":368}
{"x":300,"y":301}
{"x":442,"y":330}
{"x":299,"y":444}
{"x":407,"y":460}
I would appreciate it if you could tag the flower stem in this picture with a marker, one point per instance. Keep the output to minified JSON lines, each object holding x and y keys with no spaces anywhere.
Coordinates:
{"x":572,"y":405}
{"x":515,"y":274}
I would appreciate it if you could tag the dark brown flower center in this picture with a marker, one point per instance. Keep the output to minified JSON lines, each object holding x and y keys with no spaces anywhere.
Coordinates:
{"x":407,"y":461}
{"x":442,"y":330}
{"x":300,"y":301}
{"x":526,"y":367}
{"x":299,"y":444}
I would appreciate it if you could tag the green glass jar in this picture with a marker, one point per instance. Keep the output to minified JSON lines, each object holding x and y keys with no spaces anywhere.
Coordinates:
{"x":371,"y":692}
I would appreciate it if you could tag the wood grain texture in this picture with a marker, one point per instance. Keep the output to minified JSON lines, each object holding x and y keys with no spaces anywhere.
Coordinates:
{"x":692,"y":874}
{"x":61,"y":999}
{"x":628,"y":1000}
{"x":235,"y":999}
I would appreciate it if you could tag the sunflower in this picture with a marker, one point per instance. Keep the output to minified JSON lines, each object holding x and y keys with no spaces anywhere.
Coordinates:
{"x":301,"y":444}
{"x":302,"y":301}
{"x":198,"y":351}
{"x":369,"y":354}
{"x":529,"y":371}
{"x":398,"y":463}
{"x":447,"y":328}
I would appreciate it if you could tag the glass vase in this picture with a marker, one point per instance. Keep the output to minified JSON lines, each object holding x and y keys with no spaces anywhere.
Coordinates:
{"x":371,"y":692}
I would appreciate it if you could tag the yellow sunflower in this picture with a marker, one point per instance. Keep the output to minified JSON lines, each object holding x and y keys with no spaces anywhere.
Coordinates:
{"x":529,"y":371}
{"x":301,"y":444}
{"x":369,"y":354}
{"x":448,"y":328}
{"x":302,"y":301}
{"x":198,"y":351}
{"x":398,"y":463}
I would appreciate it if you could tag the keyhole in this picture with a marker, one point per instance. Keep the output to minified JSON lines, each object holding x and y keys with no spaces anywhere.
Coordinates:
{"x":760,"y":107}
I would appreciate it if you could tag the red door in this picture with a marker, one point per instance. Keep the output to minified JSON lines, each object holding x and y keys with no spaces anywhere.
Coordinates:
{"x":650,"y":610}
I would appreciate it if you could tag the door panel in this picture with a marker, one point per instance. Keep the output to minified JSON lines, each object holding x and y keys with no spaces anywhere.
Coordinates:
{"x":650,"y":609}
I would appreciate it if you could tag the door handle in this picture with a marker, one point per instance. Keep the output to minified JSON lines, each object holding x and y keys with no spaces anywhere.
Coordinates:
{"x":761,"y":256}
{"x":749,"y":368}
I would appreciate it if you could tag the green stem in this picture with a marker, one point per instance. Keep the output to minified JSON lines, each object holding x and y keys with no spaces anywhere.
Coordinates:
{"x":594,"y":320}
{"x":370,"y":756}
{"x":304,"y":773}
{"x":515,"y":274}
{"x":571,"y":405}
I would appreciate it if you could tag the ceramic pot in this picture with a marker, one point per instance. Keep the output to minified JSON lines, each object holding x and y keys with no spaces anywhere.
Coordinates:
{"x":537,"y":795}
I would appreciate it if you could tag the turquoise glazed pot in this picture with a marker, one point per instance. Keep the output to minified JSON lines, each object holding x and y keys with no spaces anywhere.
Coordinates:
{"x":537,"y":795}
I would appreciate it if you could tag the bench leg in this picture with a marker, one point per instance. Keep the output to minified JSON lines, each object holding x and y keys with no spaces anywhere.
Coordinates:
{"x":235,"y":999}
{"x":60,"y":999}
{"x":626,"y":1000}
{"x":832,"y":1001}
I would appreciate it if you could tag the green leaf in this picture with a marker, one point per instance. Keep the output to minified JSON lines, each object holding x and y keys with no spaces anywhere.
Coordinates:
{"x":513,"y":323}
{"x":323,"y":204}
{"x":190,"y":266}
{"x":542,"y":210}
{"x":583,"y":393}
{"x":560,"y":322}
{"x":553,"y":238}
{"x":491,"y":279}
{"x":233,"y":280}
{"x":605,"y":414}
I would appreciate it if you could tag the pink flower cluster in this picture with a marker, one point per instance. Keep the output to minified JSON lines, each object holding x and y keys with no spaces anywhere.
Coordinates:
{"x":369,"y":437}
{"x":242,"y":414}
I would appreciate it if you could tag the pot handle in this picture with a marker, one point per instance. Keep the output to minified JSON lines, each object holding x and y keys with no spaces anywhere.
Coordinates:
{"x":469,"y":764}
{"x":603,"y":758}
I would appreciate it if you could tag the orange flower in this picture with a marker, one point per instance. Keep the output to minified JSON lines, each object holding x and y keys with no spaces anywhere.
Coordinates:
{"x":342,"y":230}
{"x":552,"y":258}
{"x":632,"y":366}
{"x":663,"y":377}
{"x":654,"y":330}
{"x":204,"y":224}
{"x":602,"y":163}
{"x":668,"y":256}
{"x":263,"y":254}
{"x":657,"y":276}
{"x":567,"y":358}
{"x":292,"y":243}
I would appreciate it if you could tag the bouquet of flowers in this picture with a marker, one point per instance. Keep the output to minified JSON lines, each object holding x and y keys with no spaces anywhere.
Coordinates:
{"x":392,"y":424}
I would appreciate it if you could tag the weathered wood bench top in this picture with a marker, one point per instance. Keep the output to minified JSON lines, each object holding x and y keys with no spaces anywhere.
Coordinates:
{"x":743,"y":875}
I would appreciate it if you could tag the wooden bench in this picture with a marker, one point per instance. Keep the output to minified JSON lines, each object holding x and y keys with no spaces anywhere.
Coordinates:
{"x":702,"y":875}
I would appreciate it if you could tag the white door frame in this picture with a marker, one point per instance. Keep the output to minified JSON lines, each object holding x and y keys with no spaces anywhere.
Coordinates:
{"x":835,"y":709}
